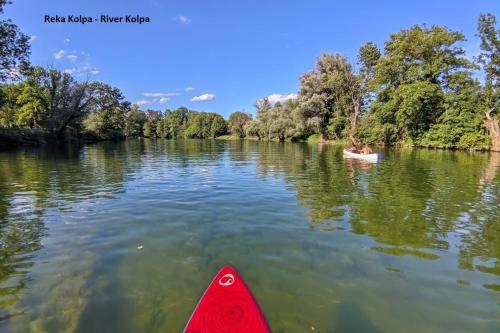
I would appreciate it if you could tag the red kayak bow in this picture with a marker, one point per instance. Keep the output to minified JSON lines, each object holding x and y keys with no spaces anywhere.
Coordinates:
{"x":227,"y":307}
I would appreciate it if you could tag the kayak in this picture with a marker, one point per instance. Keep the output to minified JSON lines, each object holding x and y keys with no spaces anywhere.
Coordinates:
{"x":358,"y":154}
{"x":227,"y":306}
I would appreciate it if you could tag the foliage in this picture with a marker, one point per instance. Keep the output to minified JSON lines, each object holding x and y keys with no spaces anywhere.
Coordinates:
{"x":147,"y":129}
{"x":32,"y":100}
{"x":237,"y":121}
{"x":412,"y":79}
{"x":252,"y":128}
{"x":14,"y":49}
{"x":134,"y":122}
{"x":490,"y":45}
{"x":174,"y":122}
{"x":203,"y":125}
{"x":323,"y":94}
{"x":8,"y":104}
{"x":489,"y":59}
{"x":419,"y":90}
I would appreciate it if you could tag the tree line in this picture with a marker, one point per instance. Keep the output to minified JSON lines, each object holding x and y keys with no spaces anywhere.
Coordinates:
{"x":421,"y":89}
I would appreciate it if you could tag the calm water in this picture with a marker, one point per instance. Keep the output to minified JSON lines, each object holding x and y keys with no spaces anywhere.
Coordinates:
{"x":411,"y":244}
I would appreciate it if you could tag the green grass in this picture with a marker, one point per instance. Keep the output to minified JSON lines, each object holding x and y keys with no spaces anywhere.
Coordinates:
{"x":313,"y":138}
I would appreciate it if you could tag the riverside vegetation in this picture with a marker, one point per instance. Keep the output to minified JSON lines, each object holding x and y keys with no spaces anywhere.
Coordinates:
{"x":420,"y":90}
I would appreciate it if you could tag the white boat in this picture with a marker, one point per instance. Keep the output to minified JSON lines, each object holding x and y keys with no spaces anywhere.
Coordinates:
{"x":366,"y":157}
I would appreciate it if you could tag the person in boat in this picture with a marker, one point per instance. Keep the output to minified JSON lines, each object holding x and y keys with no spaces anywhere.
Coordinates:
{"x":352,"y":149}
{"x":367,"y":149}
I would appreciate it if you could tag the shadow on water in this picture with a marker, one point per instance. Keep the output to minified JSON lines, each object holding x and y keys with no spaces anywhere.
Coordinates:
{"x":415,"y":202}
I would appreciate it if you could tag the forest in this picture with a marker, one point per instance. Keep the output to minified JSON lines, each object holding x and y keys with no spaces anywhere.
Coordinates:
{"x":421,"y":89}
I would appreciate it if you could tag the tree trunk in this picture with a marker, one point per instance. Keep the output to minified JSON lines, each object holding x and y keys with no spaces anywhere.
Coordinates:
{"x":354,"y":121}
{"x":493,"y":127}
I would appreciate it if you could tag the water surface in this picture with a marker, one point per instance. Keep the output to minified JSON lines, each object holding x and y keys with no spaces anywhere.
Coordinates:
{"x":125,"y":237}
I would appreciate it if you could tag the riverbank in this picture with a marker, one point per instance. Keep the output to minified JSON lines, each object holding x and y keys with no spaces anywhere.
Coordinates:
{"x":33,"y":137}
{"x":11,"y":138}
{"x":316,"y":139}
{"x":74,"y":221}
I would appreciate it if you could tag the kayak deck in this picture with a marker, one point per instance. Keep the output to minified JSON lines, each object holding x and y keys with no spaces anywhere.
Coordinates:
{"x":227,"y":306}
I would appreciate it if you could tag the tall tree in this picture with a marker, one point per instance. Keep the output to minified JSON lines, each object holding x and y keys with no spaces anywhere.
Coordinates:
{"x":14,"y":48}
{"x":8,"y":104}
{"x":334,"y":94}
{"x":411,"y":79}
{"x":489,"y":59}
{"x":237,"y":121}
{"x":33,"y":100}
{"x":153,"y":117}
{"x":261,"y":128}
{"x":106,"y":114}
{"x":134,"y":122}
{"x":174,"y":122}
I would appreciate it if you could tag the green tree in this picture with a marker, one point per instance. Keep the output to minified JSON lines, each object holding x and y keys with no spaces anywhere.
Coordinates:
{"x":333,"y":94}
{"x":134,"y":122}
{"x":174,"y":122}
{"x":237,"y":121}
{"x":218,"y":125}
{"x":252,"y":128}
{"x":106,"y":114}
{"x":33,"y":100}
{"x":8,"y":104}
{"x":411,"y":80}
{"x":160,"y":129}
{"x":263,"y":107}
{"x":147,"y":129}
{"x":153,"y":117}
{"x":14,"y":48}
{"x":202,"y":125}
{"x":489,"y":59}
{"x":460,"y":125}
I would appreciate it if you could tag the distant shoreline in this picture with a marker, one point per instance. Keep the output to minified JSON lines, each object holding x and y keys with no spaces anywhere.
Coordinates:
{"x":13,"y":138}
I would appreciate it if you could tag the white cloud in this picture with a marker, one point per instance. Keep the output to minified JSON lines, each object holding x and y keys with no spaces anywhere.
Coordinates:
{"x":59,"y":54}
{"x":143,"y":102}
{"x":87,"y":69}
{"x":183,"y":19}
{"x":159,"y":94}
{"x":280,"y":98}
{"x":32,"y":39}
{"x":204,"y":97}
{"x":83,"y":69}
{"x":189,"y":89}
{"x":66,"y":40}
{"x":72,"y":57}
{"x":163,"y":100}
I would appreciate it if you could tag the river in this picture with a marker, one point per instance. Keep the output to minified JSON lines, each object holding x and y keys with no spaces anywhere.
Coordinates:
{"x":125,"y":237}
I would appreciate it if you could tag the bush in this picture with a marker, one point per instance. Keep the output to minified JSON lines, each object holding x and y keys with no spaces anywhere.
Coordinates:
{"x":20,"y":136}
{"x":474,"y":141}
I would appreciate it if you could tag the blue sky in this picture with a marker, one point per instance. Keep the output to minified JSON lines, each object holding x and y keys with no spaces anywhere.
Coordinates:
{"x":228,"y":53}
